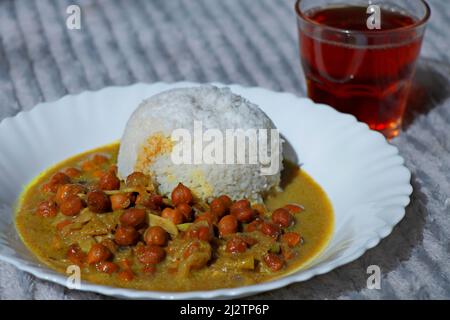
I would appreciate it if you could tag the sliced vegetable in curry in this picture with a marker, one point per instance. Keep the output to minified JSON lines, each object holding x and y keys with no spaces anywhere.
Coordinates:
{"x":123,"y":233}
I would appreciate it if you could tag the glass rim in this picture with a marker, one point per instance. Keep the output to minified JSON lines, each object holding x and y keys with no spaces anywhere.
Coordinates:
{"x":300,"y":15}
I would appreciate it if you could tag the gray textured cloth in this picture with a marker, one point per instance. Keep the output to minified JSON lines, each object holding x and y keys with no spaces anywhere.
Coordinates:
{"x":251,"y":43}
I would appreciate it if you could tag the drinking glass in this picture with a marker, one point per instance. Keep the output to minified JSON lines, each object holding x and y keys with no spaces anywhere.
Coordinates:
{"x":359,"y":56}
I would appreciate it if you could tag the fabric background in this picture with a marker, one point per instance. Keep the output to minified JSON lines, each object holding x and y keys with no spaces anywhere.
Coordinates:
{"x":251,"y":43}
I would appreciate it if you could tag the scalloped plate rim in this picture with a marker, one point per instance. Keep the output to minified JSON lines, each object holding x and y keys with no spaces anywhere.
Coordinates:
{"x":377,"y":235}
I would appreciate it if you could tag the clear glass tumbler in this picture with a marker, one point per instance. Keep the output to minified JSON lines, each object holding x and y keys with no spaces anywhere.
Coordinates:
{"x":359,"y":56}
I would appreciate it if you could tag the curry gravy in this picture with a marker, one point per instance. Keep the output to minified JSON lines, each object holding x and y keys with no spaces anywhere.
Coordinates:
{"x":314,"y":224}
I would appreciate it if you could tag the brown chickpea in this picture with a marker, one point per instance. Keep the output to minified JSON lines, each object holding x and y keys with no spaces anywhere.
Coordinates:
{"x":97,"y":253}
{"x":227,"y":225}
{"x":205,"y":233}
{"x":48,"y":187}
{"x":260,"y":209}
{"x":120,"y":201}
{"x":293,"y":208}
{"x":75,"y":254}
{"x":150,"y":255}
{"x":72,"y":172}
{"x":236,"y":245}
{"x":133,"y":217}
{"x":156,"y":235}
{"x":71,"y":206}
{"x":186,"y":211}
{"x":67,"y":190}
{"x":47,"y":209}
{"x":245,"y":215}
{"x":126,"y":236}
{"x":282,"y":217}
{"x":98,"y":174}
{"x":106,"y":267}
{"x":202,"y":232}
{"x":137,"y":179}
{"x":273,"y":261}
{"x":88,"y":165}
{"x":157,"y":200}
{"x":98,"y":202}
{"x":60,"y":178}
{"x":181,"y":194}
{"x":291,"y":239}
{"x":173,"y":215}
{"x":270,"y":229}
{"x":126,"y":263}
{"x":56,"y":180}
{"x":217,"y":207}
{"x":113,"y":168}
{"x":126,"y":275}
{"x":239,"y":206}
{"x":109,"y":181}
{"x":226,"y":200}
{"x":288,"y":253}
{"x":150,"y":201}
{"x":208,"y":217}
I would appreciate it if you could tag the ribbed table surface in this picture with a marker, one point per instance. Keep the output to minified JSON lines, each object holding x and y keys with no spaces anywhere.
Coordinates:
{"x":252,"y":43}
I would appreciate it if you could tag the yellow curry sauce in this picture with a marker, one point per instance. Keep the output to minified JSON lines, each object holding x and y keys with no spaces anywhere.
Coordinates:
{"x":50,"y":237}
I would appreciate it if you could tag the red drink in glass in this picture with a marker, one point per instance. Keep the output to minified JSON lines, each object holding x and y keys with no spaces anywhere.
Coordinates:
{"x":357,"y":70}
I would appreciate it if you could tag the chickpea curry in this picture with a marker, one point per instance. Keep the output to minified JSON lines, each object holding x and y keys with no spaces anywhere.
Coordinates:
{"x":123,"y":233}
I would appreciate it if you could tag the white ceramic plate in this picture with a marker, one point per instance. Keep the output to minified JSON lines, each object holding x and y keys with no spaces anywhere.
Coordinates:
{"x":362,"y":174}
